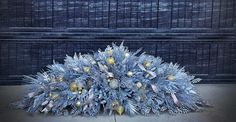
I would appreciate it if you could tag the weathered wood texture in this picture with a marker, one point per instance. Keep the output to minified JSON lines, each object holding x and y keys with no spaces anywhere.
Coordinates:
{"x":213,"y":61}
{"x":165,"y":14}
{"x":197,"y":34}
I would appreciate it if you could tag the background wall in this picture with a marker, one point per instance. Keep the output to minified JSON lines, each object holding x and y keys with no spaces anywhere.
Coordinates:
{"x":198,"y":34}
{"x":161,"y":14}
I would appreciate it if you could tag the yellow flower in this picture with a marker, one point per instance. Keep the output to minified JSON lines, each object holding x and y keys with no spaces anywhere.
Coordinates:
{"x":86,"y":69}
{"x":139,"y":84}
{"x":78,"y":103}
{"x":171,"y":77}
{"x":147,"y":63}
{"x":74,"y":87}
{"x":111,"y":60}
{"x":120,"y":110}
{"x":130,"y":74}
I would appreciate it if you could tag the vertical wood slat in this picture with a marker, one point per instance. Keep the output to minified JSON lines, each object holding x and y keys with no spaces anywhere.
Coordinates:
{"x":233,"y":59}
{"x":84,"y":15}
{"x":12,"y":13}
{"x":201,"y":19}
{"x":181,"y":13}
{"x":188,"y":14}
{"x":212,"y":59}
{"x":230,"y":9}
{"x":164,"y":14}
{"x":27,"y":13}
{"x":174,"y":16}
{"x":113,"y":14}
{"x":216,"y":14}
{"x":220,"y":58}
{"x":4,"y":59}
{"x":4,"y":15}
{"x":195,"y":12}
{"x":76,"y":15}
{"x":59,"y":9}
{"x":119,"y":15}
{"x":152,"y":14}
{"x":234,"y":15}
{"x":35,"y":13}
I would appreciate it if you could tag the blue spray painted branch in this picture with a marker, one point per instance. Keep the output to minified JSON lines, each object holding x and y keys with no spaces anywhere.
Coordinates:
{"x":112,"y":81}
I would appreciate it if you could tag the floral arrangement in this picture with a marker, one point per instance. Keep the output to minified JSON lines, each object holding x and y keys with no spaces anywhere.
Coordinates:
{"x":112,"y":81}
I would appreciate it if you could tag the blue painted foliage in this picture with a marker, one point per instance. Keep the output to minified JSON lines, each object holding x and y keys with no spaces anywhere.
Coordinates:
{"x":112,"y":81}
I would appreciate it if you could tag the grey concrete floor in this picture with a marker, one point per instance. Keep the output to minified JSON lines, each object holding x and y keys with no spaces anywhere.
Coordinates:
{"x":221,"y":96}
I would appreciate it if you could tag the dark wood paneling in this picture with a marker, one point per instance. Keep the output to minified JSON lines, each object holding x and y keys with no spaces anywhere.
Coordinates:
{"x":198,"y":34}
{"x":211,"y":60}
{"x":160,"y":14}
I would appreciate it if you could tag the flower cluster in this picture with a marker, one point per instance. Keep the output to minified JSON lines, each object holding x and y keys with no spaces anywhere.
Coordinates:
{"x":112,"y":81}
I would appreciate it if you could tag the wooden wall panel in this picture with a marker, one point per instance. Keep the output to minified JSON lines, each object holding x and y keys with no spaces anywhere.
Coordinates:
{"x":198,"y":34}
{"x":211,"y":61}
{"x":160,"y":14}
